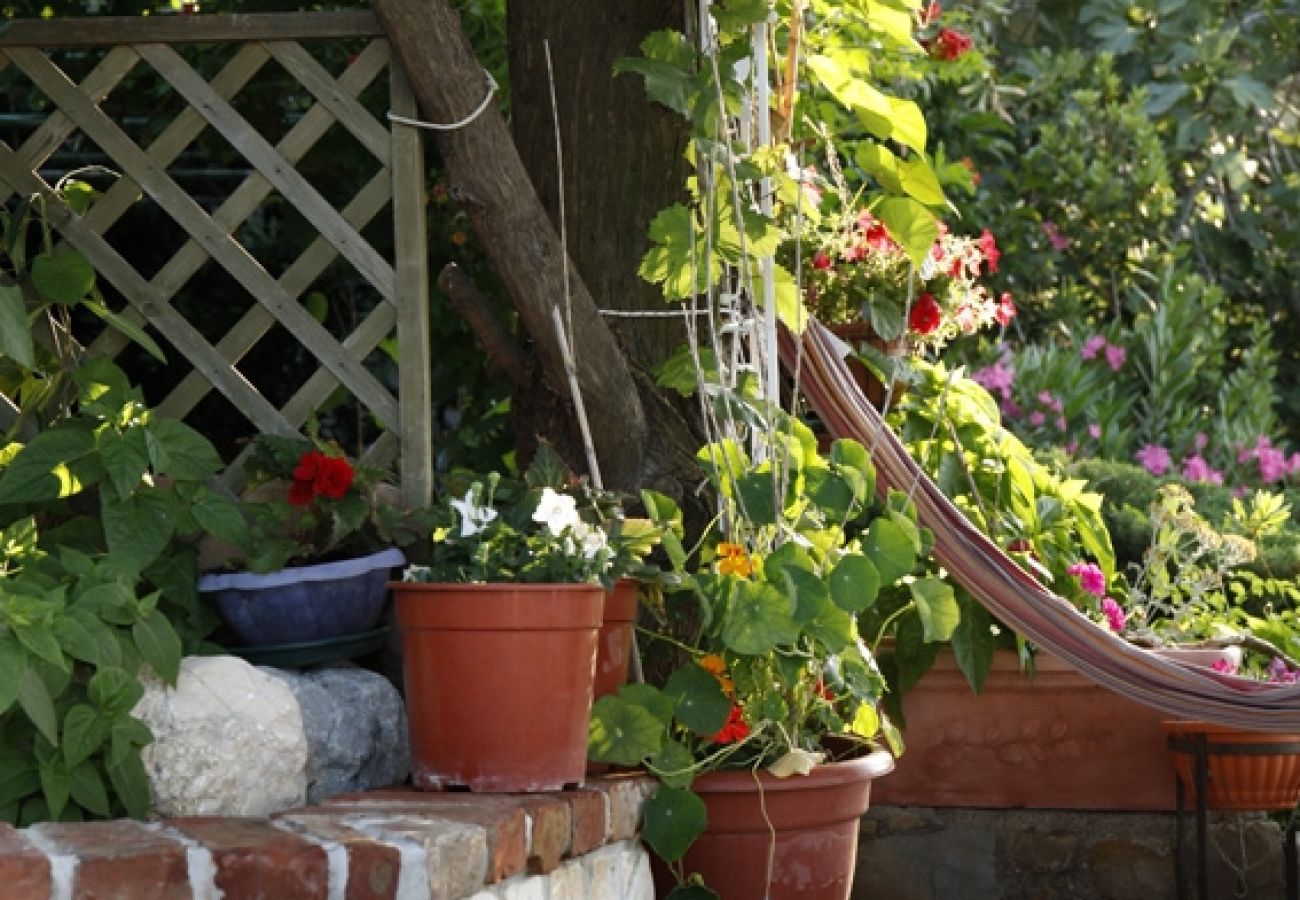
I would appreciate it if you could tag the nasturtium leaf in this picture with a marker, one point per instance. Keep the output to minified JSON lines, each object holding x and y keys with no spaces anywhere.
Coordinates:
{"x":15,"y":334}
{"x":757,"y":619}
{"x":866,"y":721}
{"x":854,"y":583}
{"x":890,"y":550}
{"x":673,"y":819}
{"x":699,"y":701}
{"x":34,"y":699}
{"x":937,"y":606}
{"x":755,"y":490}
{"x":831,"y":492}
{"x":674,"y":765}
{"x":621,"y":732}
{"x":65,"y":277}
{"x":159,"y":645}
{"x":823,"y":621}
{"x":87,"y":788}
{"x":651,"y":698}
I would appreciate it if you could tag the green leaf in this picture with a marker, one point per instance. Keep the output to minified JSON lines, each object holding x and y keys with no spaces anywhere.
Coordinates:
{"x":126,"y":327}
{"x":18,"y":777}
{"x":84,"y":730}
{"x":890,"y":549}
{"x":758,"y":618}
{"x":42,"y":470}
{"x":651,"y":699}
{"x":85,"y":638}
{"x":177,"y":450}
{"x":908,"y":124}
{"x":920,"y":181}
{"x":737,"y":14}
{"x":159,"y":645}
{"x":937,"y":606}
{"x":131,"y":784}
{"x":125,"y":456}
{"x":65,"y":277}
{"x":909,"y":223}
{"x":219,"y":516}
{"x":40,"y":640}
{"x":832,"y":493}
{"x":674,"y":764}
{"x":114,"y":691}
{"x":974,"y":643}
{"x":87,"y":787}
{"x":790,"y":308}
{"x":825,"y":622}
{"x":34,"y":698}
{"x":679,"y":258}
{"x":756,"y":493}
{"x":699,"y":701}
{"x":866,"y":721}
{"x":113,"y":602}
{"x":13,"y":666}
{"x":871,"y":106}
{"x":78,"y":195}
{"x":854,"y":583}
{"x":15,"y":333}
{"x":692,"y":892}
{"x":892,"y":19}
{"x":128,"y":736}
{"x":674,"y":818}
{"x":56,"y":784}
{"x":621,"y":732}
{"x":138,"y":527}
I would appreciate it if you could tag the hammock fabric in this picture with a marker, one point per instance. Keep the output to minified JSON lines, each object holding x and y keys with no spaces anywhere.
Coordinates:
{"x":1013,"y":595}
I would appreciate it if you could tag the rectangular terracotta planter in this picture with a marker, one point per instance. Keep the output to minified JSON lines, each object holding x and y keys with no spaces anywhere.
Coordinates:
{"x":1058,"y":741}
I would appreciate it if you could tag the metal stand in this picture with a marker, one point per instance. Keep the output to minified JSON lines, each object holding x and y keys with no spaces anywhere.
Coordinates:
{"x":1200,"y":749}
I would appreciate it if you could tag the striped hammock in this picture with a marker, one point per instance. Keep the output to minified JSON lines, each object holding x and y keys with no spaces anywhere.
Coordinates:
{"x":1009,"y":592}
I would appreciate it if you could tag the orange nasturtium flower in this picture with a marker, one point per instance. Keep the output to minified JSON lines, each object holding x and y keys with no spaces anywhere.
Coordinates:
{"x":716,"y":666}
{"x":734,"y":560}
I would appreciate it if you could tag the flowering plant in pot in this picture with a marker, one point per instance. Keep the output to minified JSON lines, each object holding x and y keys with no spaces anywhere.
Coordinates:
{"x":503,"y":614}
{"x":319,"y":546}
{"x":772,"y":682}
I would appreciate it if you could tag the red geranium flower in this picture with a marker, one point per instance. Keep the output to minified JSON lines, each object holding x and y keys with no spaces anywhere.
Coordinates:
{"x":989,"y":247}
{"x":301,"y":493}
{"x":308,"y":466}
{"x":1006,"y":309}
{"x":736,"y":728}
{"x":333,"y":477}
{"x":820,"y":260}
{"x":925,"y":315}
{"x":950,"y":44}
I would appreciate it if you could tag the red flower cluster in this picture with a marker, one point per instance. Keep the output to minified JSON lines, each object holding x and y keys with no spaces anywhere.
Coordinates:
{"x":736,"y":728}
{"x":318,"y":474}
{"x":948,"y":44}
{"x":925,"y":315}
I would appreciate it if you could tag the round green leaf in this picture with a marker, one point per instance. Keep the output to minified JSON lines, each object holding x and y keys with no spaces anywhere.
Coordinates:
{"x":758,"y":618}
{"x":937,"y":606}
{"x":890,"y":550}
{"x":674,"y":818}
{"x":65,"y":277}
{"x":674,"y":765}
{"x":621,"y":732}
{"x":854,"y":583}
{"x":698,"y":700}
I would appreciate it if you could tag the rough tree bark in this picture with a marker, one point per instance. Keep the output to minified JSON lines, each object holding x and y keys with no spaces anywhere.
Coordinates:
{"x":610,"y":133}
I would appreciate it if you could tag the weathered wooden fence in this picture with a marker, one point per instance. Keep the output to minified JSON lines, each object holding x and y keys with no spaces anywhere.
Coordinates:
{"x":400,"y":283}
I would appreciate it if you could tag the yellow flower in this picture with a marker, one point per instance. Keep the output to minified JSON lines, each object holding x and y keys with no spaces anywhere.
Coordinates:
{"x":716,"y":666}
{"x":733,"y":559}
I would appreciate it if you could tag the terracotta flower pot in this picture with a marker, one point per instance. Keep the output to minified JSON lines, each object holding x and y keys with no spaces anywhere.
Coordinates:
{"x":857,"y":334}
{"x":498,"y":682}
{"x":614,"y":643}
{"x":1245,"y":770}
{"x":790,"y":838}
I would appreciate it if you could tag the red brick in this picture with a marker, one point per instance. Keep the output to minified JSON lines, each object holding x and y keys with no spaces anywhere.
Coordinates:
{"x":587,"y":810}
{"x":24,"y":870}
{"x":552,"y":832}
{"x":373,"y":866}
{"x":257,"y":861}
{"x":502,"y":816}
{"x":122,"y":859}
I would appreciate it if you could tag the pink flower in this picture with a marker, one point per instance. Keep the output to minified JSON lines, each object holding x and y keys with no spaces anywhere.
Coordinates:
{"x":1115,"y":357}
{"x":1202,"y":439}
{"x":1093,"y":346}
{"x":1060,"y":423}
{"x":1279,"y":671}
{"x":965,"y":318}
{"x":1046,"y":398}
{"x":1293,"y":464}
{"x":1094,"y":431}
{"x":1224,"y":665}
{"x":821,"y":261}
{"x":989,"y":246}
{"x":1011,"y":410}
{"x":1054,"y":237}
{"x":1114,"y":614}
{"x":1006,"y":310}
{"x":1037,"y":419}
{"x":1272,"y":464}
{"x":1091,"y":578}
{"x":1072,"y":448}
{"x":996,"y":378}
{"x":1195,"y":468}
{"x":1154,"y":458}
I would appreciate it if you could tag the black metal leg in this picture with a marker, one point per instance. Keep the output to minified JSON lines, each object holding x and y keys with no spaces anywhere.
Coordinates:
{"x":1180,"y":877}
{"x":1202,"y":848}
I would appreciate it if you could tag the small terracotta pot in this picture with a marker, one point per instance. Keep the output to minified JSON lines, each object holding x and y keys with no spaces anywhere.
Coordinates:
{"x":614,"y":643}
{"x":498,"y":682}
{"x":804,"y":828}
{"x":1245,"y":770}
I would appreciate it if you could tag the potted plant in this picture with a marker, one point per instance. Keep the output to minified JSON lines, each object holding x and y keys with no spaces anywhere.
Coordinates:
{"x":499,"y":632}
{"x":318,"y":549}
{"x":767,"y":726}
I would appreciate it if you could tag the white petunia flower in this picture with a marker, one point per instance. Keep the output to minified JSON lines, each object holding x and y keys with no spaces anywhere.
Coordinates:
{"x":473,"y":518}
{"x":556,"y":511}
{"x":592,"y":539}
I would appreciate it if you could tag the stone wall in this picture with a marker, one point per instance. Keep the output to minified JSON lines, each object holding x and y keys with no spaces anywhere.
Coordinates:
{"x":379,"y":845}
{"x":922,"y":853}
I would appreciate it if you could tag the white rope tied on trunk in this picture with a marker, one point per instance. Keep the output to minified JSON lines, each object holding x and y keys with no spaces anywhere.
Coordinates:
{"x":451,"y":126}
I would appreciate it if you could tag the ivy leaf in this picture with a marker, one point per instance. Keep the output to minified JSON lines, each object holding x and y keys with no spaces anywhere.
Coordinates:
{"x":159,"y":645}
{"x":937,"y":606}
{"x":13,"y":666}
{"x":679,"y":258}
{"x":65,"y":277}
{"x":15,"y":333}
{"x":673,"y":819}
{"x":757,"y":619}
{"x":622,"y":732}
{"x":698,"y":700}
{"x":854,"y":583}
{"x":177,"y":450}
{"x":34,"y":698}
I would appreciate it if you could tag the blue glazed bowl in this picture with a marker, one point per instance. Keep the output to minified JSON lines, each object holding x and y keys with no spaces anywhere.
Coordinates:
{"x":304,"y":603}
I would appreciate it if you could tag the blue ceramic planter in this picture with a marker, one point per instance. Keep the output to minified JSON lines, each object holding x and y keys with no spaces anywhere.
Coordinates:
{"x":304,"y":603}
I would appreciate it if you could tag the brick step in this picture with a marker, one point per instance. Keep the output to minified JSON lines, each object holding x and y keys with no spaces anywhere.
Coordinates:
{"x":396,"y":844}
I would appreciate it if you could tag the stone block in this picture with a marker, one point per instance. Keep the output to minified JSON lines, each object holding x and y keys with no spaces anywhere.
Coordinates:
{"x":550,"y":833}
{"x":640,"y":882}
{"x":455,"y":854}
{"x":569,"y":882}
{"x":604,"y":869}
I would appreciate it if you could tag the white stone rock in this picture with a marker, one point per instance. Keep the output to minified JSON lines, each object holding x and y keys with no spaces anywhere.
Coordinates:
{"x":228,"y":741}
{"x":569,"y":881}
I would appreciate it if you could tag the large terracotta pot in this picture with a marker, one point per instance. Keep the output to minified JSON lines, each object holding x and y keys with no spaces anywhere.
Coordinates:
{"x":498,"y":682}
{"x":790,"y":838}
{"x":1056,"y":741}
{"x":1244,"y":770}
{"x":614,"y":642}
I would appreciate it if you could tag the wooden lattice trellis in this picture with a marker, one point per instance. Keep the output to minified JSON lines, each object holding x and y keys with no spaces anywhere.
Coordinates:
{"x":400,"y":283}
